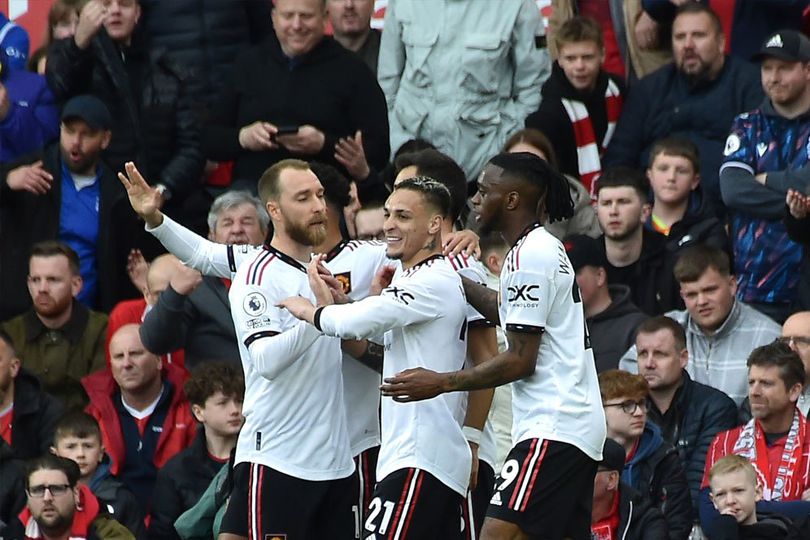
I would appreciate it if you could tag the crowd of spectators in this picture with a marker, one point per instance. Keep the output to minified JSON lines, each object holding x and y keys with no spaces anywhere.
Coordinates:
{"x":682,"y":128}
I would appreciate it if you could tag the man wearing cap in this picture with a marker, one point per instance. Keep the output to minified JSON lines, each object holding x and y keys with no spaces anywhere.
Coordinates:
{"x":619,"y":511}
{"x":66,"y":193}
{"x":763,"y":151}
{"x":611,"y":316}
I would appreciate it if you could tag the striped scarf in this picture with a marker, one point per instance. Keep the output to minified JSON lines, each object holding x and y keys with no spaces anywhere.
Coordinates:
{"x":589,"y":150}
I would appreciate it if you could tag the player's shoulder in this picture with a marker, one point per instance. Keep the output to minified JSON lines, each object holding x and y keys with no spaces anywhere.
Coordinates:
{"x":268,"y":267}
{"x":434,"y":270}
{"x":469,"y":267}
{"x":535,"y":249}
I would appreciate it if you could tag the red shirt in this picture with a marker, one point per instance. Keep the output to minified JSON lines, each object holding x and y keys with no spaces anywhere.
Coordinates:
{"x":607,"y":528}
{"x":5,"y":425}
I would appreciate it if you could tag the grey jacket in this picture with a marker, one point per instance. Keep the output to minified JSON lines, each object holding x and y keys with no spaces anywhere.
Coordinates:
{"x":462,"y":75}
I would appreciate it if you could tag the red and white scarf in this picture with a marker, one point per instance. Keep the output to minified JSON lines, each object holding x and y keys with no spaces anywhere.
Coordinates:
{"x":589,"y":150}
{"x":788,"y":483}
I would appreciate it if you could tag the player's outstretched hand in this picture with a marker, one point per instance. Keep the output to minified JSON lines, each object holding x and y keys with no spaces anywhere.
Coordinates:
{"x":413,"y":385}
{"x":299,"y":307}
{"x":143,"y":198}
{"x":382,"y":279}
{"x":465,"y":241}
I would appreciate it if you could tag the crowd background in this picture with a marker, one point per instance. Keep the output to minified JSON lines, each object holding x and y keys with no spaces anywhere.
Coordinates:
{"x":683,"y":129}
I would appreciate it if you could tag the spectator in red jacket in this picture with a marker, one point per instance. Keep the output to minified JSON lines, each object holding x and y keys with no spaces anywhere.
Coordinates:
{"x":143,"y":412}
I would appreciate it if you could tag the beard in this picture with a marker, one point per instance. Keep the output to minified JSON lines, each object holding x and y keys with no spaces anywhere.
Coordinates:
{"x":702,"y":73}
{"x":53,"y":307}
{"x":85,"y":167}
{"x":55,"y":525}
{"x":305,"y":234}
{"x":621,"y":236}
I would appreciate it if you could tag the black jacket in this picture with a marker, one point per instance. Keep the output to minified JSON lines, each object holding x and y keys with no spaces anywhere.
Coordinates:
{"x":699,"y":226}
{"x":118,"y":501}
{"x":12,"y":488}
{"x":205,"y":36}
{"x":665,"y":103}
{"x":652,"y":284}
{"x":799,"y":232}
{"x":26,"y":219}
{"x":552,"y":119}
{"x":767,"y":527}
{"x":34,"y":418}
{"x":179,"y":485}
{"x":698,"y":413}
{"x":154,"y":123}
{"x":613,"y":331}
{"x":199,"y":323}
{"x":329,"y":88}
{"x":638,"y":519}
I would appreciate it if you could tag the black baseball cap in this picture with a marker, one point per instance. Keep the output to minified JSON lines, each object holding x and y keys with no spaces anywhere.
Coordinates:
{"x":88,"y":108}
{"x":787,"y":45}
{"x":613,"y":456}
{"x":584,"y":251}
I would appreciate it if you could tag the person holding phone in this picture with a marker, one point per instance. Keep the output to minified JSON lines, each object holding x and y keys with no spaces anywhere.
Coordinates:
{"x":299,"y":94}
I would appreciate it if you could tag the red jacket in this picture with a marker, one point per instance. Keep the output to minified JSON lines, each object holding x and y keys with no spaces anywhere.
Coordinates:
{"x":179,"y":427}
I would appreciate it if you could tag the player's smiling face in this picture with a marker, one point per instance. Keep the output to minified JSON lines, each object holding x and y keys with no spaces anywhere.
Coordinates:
{"x":488,"y":201}
{"x":407,"y":225}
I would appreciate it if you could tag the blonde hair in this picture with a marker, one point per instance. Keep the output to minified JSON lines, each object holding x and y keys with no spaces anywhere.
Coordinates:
{"x":731,"y":464}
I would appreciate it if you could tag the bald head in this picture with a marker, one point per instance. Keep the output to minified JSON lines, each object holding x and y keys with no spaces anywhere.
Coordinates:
{"x":796,"y":332}
{"x":159,"y":275}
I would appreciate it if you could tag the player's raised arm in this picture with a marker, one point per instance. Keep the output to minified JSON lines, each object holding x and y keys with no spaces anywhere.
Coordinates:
{"x":193,"y":250}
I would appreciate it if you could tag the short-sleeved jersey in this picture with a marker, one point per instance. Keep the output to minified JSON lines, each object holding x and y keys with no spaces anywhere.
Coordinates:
{"x":296,"y":422}
{"x":423,"y":316}
{"x":472,"y":269}
{"x":560,"y":401}
{"x":354,"y":263}
{"x":766,"y":260}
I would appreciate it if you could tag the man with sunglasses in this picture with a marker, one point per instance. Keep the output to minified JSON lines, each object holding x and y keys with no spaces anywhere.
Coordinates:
{"x":58,"y":507}
{"x":652,"y":466}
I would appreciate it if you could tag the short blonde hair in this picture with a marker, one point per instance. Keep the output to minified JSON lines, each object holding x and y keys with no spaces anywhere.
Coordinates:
{"x":731,"y":464}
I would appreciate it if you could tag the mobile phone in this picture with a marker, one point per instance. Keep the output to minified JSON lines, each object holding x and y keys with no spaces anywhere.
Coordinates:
{"x":286,"y":130}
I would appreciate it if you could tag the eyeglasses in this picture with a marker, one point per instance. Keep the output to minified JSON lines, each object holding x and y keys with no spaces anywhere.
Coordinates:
{"x":630,"y":406}
{"x":794,"y":340}
{"x":37,"y":492}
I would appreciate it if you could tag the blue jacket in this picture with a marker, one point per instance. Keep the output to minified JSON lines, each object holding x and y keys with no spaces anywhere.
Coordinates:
{"x":657,"y":472}
{"x":15,"y":43}
{"x":33,"y":118}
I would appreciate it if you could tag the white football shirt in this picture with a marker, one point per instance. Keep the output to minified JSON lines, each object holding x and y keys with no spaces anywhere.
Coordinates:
{"x":423,"y":315}
{"x":472,"y":269}
{"x":354,"y":263}
{"x":295,"y":420}
{"x":561,"y":400}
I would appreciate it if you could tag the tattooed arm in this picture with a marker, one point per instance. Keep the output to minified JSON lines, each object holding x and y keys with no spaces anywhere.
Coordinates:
{"x":517,"y":362}
{"x":482,"y":298}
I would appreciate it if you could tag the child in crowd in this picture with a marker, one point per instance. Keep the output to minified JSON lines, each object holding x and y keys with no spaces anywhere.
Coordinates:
{"x":78,"y":437}
{"x":215,"y":392}
{"x":735,"y":492}
{"x":679,"y":211}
